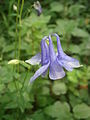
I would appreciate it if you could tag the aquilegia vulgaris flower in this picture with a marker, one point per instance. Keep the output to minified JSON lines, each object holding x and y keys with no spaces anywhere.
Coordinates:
{"x":38,"y":7}
{"x":54,"y":61}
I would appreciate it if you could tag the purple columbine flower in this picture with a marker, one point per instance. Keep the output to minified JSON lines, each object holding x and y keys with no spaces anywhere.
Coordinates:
{"x":38,"y":7}
{"x":54,"y":61}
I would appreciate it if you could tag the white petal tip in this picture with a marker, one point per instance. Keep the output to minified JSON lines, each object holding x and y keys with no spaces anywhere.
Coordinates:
{"x":27,"y":61}
{"x":30,"y":62}
{"x":78,"y":66}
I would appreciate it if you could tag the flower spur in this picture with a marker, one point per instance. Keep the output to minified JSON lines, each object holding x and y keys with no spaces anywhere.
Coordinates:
{"x":64,"y":60}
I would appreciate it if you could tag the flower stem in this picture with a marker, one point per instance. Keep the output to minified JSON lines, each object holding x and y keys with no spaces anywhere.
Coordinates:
{"x":24,"y":80}
{"x":20,"y":23}
{"x":16,"y":37}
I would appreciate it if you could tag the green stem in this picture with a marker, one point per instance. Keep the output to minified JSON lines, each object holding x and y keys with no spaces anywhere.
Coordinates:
{"x":24,"y":79}
{"x":14,"y":79}
{"x":20,"y":23}
{"x":17,"y":28}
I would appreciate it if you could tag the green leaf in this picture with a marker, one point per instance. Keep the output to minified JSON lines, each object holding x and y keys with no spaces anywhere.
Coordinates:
{"x":59,"y":110}
{"x":2,"y":87}
{"x":39,"y":115}
{"x":65,"y":27}
{"x":75,"y":49}
{"x":79,"y":33}
{"x":6,"y":74}
{"x":56,"y":7}
{"x":59,"y":88}
{"x":81,"y":111}
{"x":74,"y":10}
{"x":35,"y":21}
{"x":8,"y":48}
{"x":74,"y":100}
{"x":44,"y":100}
{"x":45,"y":90}
{"x":72,"y":76}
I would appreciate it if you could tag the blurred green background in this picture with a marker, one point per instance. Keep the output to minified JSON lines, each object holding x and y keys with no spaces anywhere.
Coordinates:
{"x":21,"y":31}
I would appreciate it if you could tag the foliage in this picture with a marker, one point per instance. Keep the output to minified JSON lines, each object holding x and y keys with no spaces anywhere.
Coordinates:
{"x":21,"y":31}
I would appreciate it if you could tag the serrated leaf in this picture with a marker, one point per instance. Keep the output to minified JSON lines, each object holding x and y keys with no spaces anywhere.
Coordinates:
{"x":39,"y":115}
{"x":56,"y":7}
{"x":72,"y":76}
{"x":75,"y":49}
{"x":59,"y":88}
{"x":74,"y":10}
{"x":65,"y":27}
{"x":8,"y":48}
{"x":79,"y":33}
{"x":81,"y":111}
{"x":2,"y":87}
{"x":59,"y":110}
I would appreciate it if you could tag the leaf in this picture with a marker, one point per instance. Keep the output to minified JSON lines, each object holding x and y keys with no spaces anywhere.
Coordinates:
{"x":59,"y":88}
{"x":11,"y":105}
{"x":65,"y":27}
{"x":74,"y":10}
{"x":6,"y":74}
{"x":56,"y":7}
{"x":39,"y":115}
{"x":45,"y":90}
{"x":72,"y":76}
{"x":74,"y":100}
{"x":2,"y":87}
{"x":59,"y":110}
{"x":84,"y":94}
{"x":79,"y":33}
{"x":75,"y":49}
{"x":44,"y":100}
{"x":81,"y":111}
{"x":8,"y":48}
{"x":35,"y":21}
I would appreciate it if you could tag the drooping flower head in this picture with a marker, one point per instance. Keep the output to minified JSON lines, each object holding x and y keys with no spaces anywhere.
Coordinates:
{"x":52,"y":61}
{"x":38,"y":7}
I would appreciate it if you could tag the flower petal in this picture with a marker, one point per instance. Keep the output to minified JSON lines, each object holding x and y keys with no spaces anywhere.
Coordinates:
{"x":59,"y":47}
{"x":69,"y":63}
{"x":65,"y":65}
{"x":44,"y":74}
{"x":64,"y":60}
{"x":56,"y":71}
{"x":35,"y":59}
{"x":52,"y":53}
{"x":38,"y":7}
{"x":39,"y":72}
{"x":44,"y":51}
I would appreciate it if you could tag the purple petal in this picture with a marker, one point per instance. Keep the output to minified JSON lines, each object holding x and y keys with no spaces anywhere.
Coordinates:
{"x":52,"y":54}
{"x":40,"y":71}
{"x":56,"y":71}
{"x":44,"y":74}
{"x":44,"y":51}
{"x":65,"y":60}
{"x":59,"y":48}
{"x":38,"y":7}
{"x":69,"y":63}
{"x":65,"y":65}
{"x":35,"y":59}
{"x":73,"y":64}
